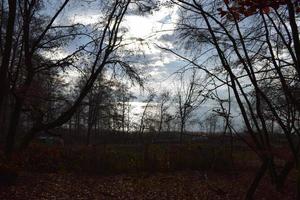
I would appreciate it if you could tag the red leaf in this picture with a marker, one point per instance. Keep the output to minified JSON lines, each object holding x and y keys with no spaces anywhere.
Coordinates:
{"x":266,"y":10}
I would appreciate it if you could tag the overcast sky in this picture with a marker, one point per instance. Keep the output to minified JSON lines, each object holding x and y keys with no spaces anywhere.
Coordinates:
{"x":147,"y":32}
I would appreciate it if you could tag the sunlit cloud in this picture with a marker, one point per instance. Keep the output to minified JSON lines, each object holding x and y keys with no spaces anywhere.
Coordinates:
{"x":144,"y":33}
{"x":55,"y":54}
{"x":87,"y":19}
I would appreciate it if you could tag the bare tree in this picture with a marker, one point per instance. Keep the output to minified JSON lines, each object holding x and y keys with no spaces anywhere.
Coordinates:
{"x":164,"y":98}
{"x":144,"y":119}
{"x":36,"y":34}
{"x":8,"y":44}
{"x":189,"y":97}
{"x":262,"y":47}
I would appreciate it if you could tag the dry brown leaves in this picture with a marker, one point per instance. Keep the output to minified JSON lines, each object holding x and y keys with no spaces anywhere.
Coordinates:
{"x":179,"y":185}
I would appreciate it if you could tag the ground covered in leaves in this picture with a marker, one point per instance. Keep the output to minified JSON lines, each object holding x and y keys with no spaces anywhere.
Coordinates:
{"x":176,"y":185}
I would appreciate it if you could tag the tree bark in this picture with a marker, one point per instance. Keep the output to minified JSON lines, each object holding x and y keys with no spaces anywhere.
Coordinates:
{"x":255,"y":183}
{"x":4,"y":85}
{"x":295,"y":33}
{"x":284,"y":174}
{"x":181,"y":132}
{"x":12,"y":129}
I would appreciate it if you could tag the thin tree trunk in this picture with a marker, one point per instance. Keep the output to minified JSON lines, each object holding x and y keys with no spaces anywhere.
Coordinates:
{"x":255,"y":183}
{"x":181,"y":132}
{"x":12,"y":129}
{"x":272,"y":170}
{"x":298,"y":181}
{"x":3,"y":117}
{"x":4,"y":85}
{"x":284,"y":174}
{"x":89,"y":133}
{"x":28,"y":138}
{"x":295,"y":33}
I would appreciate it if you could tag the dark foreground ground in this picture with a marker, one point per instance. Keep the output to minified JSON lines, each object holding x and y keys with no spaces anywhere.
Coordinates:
{"x":177,"y":185}
{"x":158,"y":171}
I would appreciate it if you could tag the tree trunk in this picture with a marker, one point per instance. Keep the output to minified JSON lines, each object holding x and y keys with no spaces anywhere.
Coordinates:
{"x":181,"y":132}
{"x":272,"y":170}
{"x":298,"y":180}
{"x":295,"y":33}
{"x":284,"y":174}
{"x":28,"y":138}
{"x":88,"y":137}
{"x":4,"y":85}
{"x":12,"y":129}
{"x":3,"y":118}
{"x":255,"y":183}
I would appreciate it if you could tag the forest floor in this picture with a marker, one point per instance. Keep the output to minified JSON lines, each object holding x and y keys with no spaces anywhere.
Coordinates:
{"x":202,"y":171}
{"x":176,"y":185}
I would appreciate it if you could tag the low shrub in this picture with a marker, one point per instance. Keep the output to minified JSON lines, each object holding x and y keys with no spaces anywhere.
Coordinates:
{"x":109,"y":159}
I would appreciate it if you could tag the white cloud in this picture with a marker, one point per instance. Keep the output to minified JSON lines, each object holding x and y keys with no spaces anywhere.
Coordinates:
{"x":158,"y":23}
{"x":55,"y":54}
{"x":89,"y":19}
{"x":139,"y":26}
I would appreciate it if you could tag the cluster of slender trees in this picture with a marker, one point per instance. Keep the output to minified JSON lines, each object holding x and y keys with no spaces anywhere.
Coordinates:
{"x":249,"y":47}
{"x":36,"y":95}
{"x":31,"y":81}
{"x":253,"y":48}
